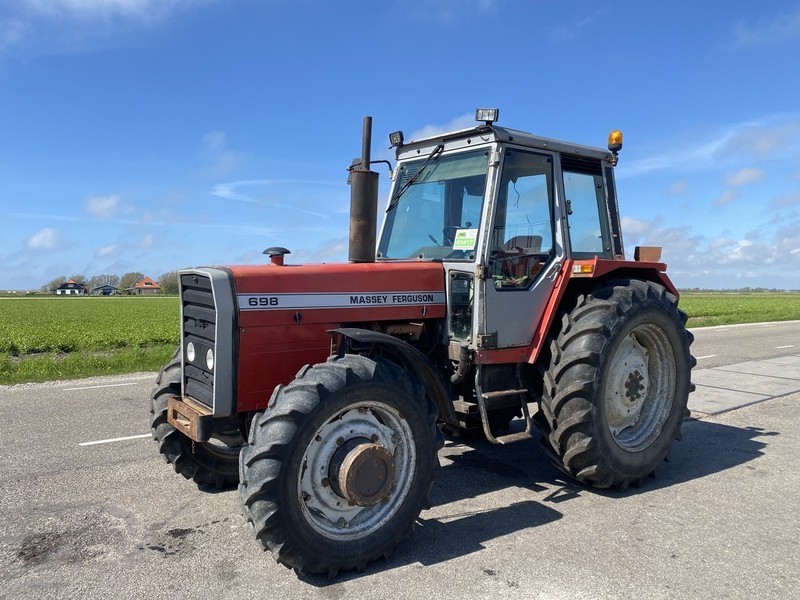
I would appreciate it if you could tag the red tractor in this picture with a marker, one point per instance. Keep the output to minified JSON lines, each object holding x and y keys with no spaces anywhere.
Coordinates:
{"x":499,"y":281}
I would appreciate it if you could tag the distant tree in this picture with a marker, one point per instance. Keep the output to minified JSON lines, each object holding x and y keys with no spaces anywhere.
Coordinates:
{"x":129,"y":280}
{"x":104,"y":279}
{"x":169,"y":283}
{"x":51,"y":286}
{"x":80,"y":279}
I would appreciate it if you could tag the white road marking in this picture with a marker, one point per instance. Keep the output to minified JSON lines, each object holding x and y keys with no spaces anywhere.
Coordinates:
{"x":120,"y":439}
{"x":783,"y":347}
{"x":94,"y":387}
{"x":706,"y":356}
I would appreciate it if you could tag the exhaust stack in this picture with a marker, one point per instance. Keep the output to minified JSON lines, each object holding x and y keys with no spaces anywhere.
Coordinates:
{"x":363,"y":203}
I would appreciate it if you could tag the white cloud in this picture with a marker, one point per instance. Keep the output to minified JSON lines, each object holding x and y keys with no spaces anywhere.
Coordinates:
{"x":448,"y":11}
{"x":233,"y":191}
{"x":220,"y":160}
{"x":744,"y":176}
{"x":726,"y":198}
{"x":105,"y":9}
{"x":44,"y":239}
{"x":83,"y":25}
{"x":678,"y":188}
{"x":333,"y":250}
{"x":148,"y":241}
{"x":768,"y":30}
{"x":102,"y":207}
{"x":788,"y":240}
{"x":732,"y":144}
{"x":634,"y":228}
{"x":106,"y":251}
{"x":460,"y":122}
{"x":750,"y":253}
{"x":12,"y":32}
{"x":786,"y":200}
{"x":572,"y":31}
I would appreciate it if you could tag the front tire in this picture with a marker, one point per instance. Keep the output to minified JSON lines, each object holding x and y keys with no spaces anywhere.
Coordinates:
{"x":339,"y":465}
{"x":616,"y":390}
{"x":214,"y":463}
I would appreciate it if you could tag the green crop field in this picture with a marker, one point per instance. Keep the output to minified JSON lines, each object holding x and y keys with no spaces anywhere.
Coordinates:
{"x":49,"y":338}
{"x":58,"y":338}
{"x":706,"y":309}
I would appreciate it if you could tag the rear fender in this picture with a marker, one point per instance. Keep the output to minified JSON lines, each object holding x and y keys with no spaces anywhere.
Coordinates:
{"x":409,"y":357}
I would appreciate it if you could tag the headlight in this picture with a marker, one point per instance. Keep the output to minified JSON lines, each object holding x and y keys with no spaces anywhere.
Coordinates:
{"x":210,"y":359}
{"x":190,"y":354}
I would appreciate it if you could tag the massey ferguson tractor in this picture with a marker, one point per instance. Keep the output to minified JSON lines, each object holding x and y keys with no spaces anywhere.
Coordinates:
{"x":497,"y":291}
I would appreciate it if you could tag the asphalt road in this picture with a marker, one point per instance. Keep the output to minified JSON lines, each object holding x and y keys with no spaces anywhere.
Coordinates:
{"x":730,"y":344}
{"x":111,"y":520}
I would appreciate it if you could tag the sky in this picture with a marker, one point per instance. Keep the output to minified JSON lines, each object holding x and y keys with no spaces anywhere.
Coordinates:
{"x":153,"y":135}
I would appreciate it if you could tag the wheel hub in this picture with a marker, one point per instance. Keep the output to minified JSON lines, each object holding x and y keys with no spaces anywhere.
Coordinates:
{"x":629,"y":383}
{"x":357,"y":469}
{"x":640,"y":387}
{"x":362,"y":472}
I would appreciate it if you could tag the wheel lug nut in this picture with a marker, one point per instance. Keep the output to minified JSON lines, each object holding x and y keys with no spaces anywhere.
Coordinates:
{"x":339,"y":441}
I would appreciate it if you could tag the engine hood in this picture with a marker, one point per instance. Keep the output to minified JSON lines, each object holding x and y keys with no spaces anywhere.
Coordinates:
{"x":353,"y":291}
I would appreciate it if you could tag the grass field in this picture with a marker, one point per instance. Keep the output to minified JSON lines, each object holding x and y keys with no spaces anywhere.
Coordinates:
{"x":706,"y":309}
{"x":62,"y":338}
{"x":52,"y":338}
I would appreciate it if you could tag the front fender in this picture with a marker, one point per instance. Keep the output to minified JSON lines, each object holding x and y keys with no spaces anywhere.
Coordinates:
{"x":412,"y":359}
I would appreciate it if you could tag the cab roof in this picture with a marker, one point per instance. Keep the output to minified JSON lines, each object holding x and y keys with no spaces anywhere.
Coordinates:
{"x":493,"y":133}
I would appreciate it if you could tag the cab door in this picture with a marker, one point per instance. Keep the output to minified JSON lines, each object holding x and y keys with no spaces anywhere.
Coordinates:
{"x":522,"y":253}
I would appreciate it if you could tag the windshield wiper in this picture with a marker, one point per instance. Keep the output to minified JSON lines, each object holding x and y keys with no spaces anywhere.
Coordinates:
{"x":435,"y":152}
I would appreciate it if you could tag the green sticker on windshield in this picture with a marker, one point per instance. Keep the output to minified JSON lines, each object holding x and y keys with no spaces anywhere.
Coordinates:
{"x":465,"y":239}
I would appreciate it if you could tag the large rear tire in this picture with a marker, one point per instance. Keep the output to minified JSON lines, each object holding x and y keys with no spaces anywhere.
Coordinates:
{"x":615,"y":393}
{"x":214,"y":463}
{"x":339,"y":465}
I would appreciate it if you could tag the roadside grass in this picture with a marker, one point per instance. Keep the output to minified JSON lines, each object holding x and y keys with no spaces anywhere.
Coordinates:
{"x":707,"y":309}
{"x":49,"y":338}
{"x":51,"y":366}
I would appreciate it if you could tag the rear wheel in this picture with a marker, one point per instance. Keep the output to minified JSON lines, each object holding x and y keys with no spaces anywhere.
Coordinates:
{"x":616,"y":390}
{"x":339,"y":465}
{"x":215,"y":462}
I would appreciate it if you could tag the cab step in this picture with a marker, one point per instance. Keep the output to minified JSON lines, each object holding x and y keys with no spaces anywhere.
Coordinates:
{"x":486,"y":398}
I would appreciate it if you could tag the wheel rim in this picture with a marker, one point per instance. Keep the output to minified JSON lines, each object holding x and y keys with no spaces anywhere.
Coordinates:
{"x":368,"y":427}
{"x":640,"y":387}
{"x":225,"y":444}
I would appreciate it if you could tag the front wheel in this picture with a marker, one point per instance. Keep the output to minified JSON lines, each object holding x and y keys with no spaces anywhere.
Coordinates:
{"x":214,"y":462}
{"x":339,"y":465}
{"x":616,"y":390}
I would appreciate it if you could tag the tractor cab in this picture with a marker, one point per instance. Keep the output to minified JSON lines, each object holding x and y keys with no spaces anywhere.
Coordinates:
{"x":502,"y":210}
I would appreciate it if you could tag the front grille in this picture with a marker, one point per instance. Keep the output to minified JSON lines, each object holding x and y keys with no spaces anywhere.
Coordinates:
{"x":199,"y":327}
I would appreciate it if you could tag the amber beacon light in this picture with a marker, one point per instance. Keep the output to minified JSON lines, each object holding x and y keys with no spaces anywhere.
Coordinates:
{"x":615,"y":144}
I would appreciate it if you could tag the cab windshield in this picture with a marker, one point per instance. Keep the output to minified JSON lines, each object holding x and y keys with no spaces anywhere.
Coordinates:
{"x":437,"y":215}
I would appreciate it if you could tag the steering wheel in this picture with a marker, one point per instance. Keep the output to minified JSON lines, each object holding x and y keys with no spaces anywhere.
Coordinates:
{"x":449,"y":238}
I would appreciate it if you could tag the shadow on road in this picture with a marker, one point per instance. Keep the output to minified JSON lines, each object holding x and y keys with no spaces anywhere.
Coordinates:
{"x":477,"y":468}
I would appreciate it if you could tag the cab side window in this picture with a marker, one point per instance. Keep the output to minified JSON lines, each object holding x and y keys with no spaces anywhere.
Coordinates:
{"x":522,"y":235}
{"x":586,"y":208}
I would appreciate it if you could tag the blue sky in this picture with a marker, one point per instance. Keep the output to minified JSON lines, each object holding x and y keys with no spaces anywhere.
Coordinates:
{"x":150,"y":135}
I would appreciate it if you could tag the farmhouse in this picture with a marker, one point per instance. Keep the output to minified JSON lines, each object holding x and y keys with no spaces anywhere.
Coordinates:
{"x":105,"y":290}
{"x":146,"y":287}
{"x":71,"y":288}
